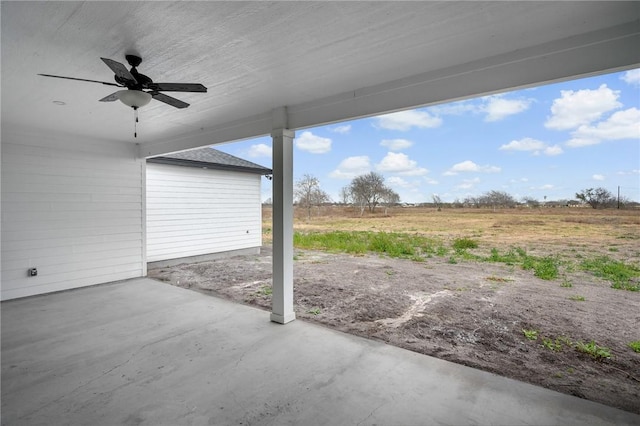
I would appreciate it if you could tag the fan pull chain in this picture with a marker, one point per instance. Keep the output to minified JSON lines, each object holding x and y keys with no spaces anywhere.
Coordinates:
{"x":135,"y":124}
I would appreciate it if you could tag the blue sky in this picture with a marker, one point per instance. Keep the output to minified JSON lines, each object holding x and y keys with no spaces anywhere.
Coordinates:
{"x":549,"y":141}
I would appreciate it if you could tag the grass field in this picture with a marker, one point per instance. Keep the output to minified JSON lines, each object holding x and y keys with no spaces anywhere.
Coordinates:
{"x":549,"y":241}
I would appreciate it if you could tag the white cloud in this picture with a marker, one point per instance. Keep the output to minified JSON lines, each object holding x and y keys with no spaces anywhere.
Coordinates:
{"x":621,"y":125}
{"x":577,"y":108}
{"x":534,"y":146}
{"x":597,"y":177}
{"x":553,"y":150}
{"x":397,"y":162}
{"x":313,"y":144}
{"x":632,"y":77}
{"x":526,"y":144}
{"x":398,"y":182}
{"x":405,"y":120}
{"x":546,"y":187}
{"x":497,"y":107}
{"x":344,"y":129}
{"x":456,"y":108}
{"x":632,"y":172}
{"x":351,"y":167}
{"x":468,"y":183}
{"x":430,"y":181}
{"x":396,"y":144}
{"x":259,"y":150}
{"x":470,"y":166}
{"x":494,"y":107}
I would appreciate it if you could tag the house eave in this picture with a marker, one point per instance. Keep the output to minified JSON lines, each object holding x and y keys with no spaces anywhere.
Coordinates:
{"x":206,"y":165}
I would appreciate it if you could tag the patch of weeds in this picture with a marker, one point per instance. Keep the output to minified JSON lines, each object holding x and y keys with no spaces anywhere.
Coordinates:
{"x":620,"y":274}
{"x":635,"y":345}
{"x":393,"y":244}
{"x":530,"y":334}
{"x":565,"y":340}
{"x":389,"y":272}
{"x":441,"y":251}
{"x":571,"y":370}
{"x":554,"y":345}
{"x":314,"y":311}
{"x":335,"y":241}
{"x":498,"y":279}
{"x":511,"y":257}
{"x":577,"y":298}
{"x":558,"y":375}
{"x":264,"y":290}
{"x":566,"y":283}
{"x":593,"y":350}
{"x":452,"y":260}
{"x":464,"y":244}
{"x":545,"y":268}
{"x":614,"y":249}
{"x":629,"y":237}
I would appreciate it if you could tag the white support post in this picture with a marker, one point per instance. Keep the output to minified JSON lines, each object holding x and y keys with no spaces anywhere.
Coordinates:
{"x":282,"y":295}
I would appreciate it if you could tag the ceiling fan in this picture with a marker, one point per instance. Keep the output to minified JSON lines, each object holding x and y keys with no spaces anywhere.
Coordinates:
{"x":140,"y":89}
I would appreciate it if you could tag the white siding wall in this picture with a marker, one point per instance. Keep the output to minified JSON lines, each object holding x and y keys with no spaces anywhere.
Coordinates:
{"x":193,"y":211}
{"x":73,"y":209}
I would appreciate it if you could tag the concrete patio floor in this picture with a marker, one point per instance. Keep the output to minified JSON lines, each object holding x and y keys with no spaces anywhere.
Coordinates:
{"x":142,"y":352}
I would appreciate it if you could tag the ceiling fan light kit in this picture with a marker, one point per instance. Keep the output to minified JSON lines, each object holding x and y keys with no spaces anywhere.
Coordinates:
{"x":134,"y":98}
{"x":140,"y":89}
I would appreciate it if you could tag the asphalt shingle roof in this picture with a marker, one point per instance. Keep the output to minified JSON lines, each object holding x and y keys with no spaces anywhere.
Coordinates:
{"x":212,"y":159}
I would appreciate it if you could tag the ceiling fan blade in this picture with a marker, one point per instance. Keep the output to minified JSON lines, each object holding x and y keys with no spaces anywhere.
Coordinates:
{"x":119,"y":69}
{"x":81,"y":79}
{"x":168,"y":100}
{"x":111,"y":98}
{"x":177,"y":87}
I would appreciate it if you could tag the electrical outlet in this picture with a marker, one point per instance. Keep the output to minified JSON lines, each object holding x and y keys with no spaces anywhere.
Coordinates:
{"x":33,"y":272}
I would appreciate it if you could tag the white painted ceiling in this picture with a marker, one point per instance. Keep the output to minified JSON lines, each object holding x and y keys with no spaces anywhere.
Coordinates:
{"x":258,"y":56}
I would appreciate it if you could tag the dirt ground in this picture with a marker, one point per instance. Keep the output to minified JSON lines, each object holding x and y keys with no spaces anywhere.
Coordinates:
{"x":471,"y":313}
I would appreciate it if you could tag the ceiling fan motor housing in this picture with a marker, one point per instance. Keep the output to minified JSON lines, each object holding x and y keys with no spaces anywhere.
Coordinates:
{"x":133,"y":60}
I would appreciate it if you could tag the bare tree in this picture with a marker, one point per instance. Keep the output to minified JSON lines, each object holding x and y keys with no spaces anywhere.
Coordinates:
{"x":596,"y":197}
{"x":492,"y":199}
{"x":389,"y":198}
{"x":472,"y":202}
{"x":498,"y":199}
{"x":530,"y":201}
{"x":345,"y":195}
{"x":367,"y":191}
{"x":437,"y":201}
{"x":308,"y":193}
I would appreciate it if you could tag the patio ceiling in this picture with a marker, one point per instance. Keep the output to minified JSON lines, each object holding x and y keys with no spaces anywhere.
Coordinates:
{"x":324,"y":61}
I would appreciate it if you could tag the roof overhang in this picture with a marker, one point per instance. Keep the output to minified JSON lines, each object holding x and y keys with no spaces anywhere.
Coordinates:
{"x":271,"y":65}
